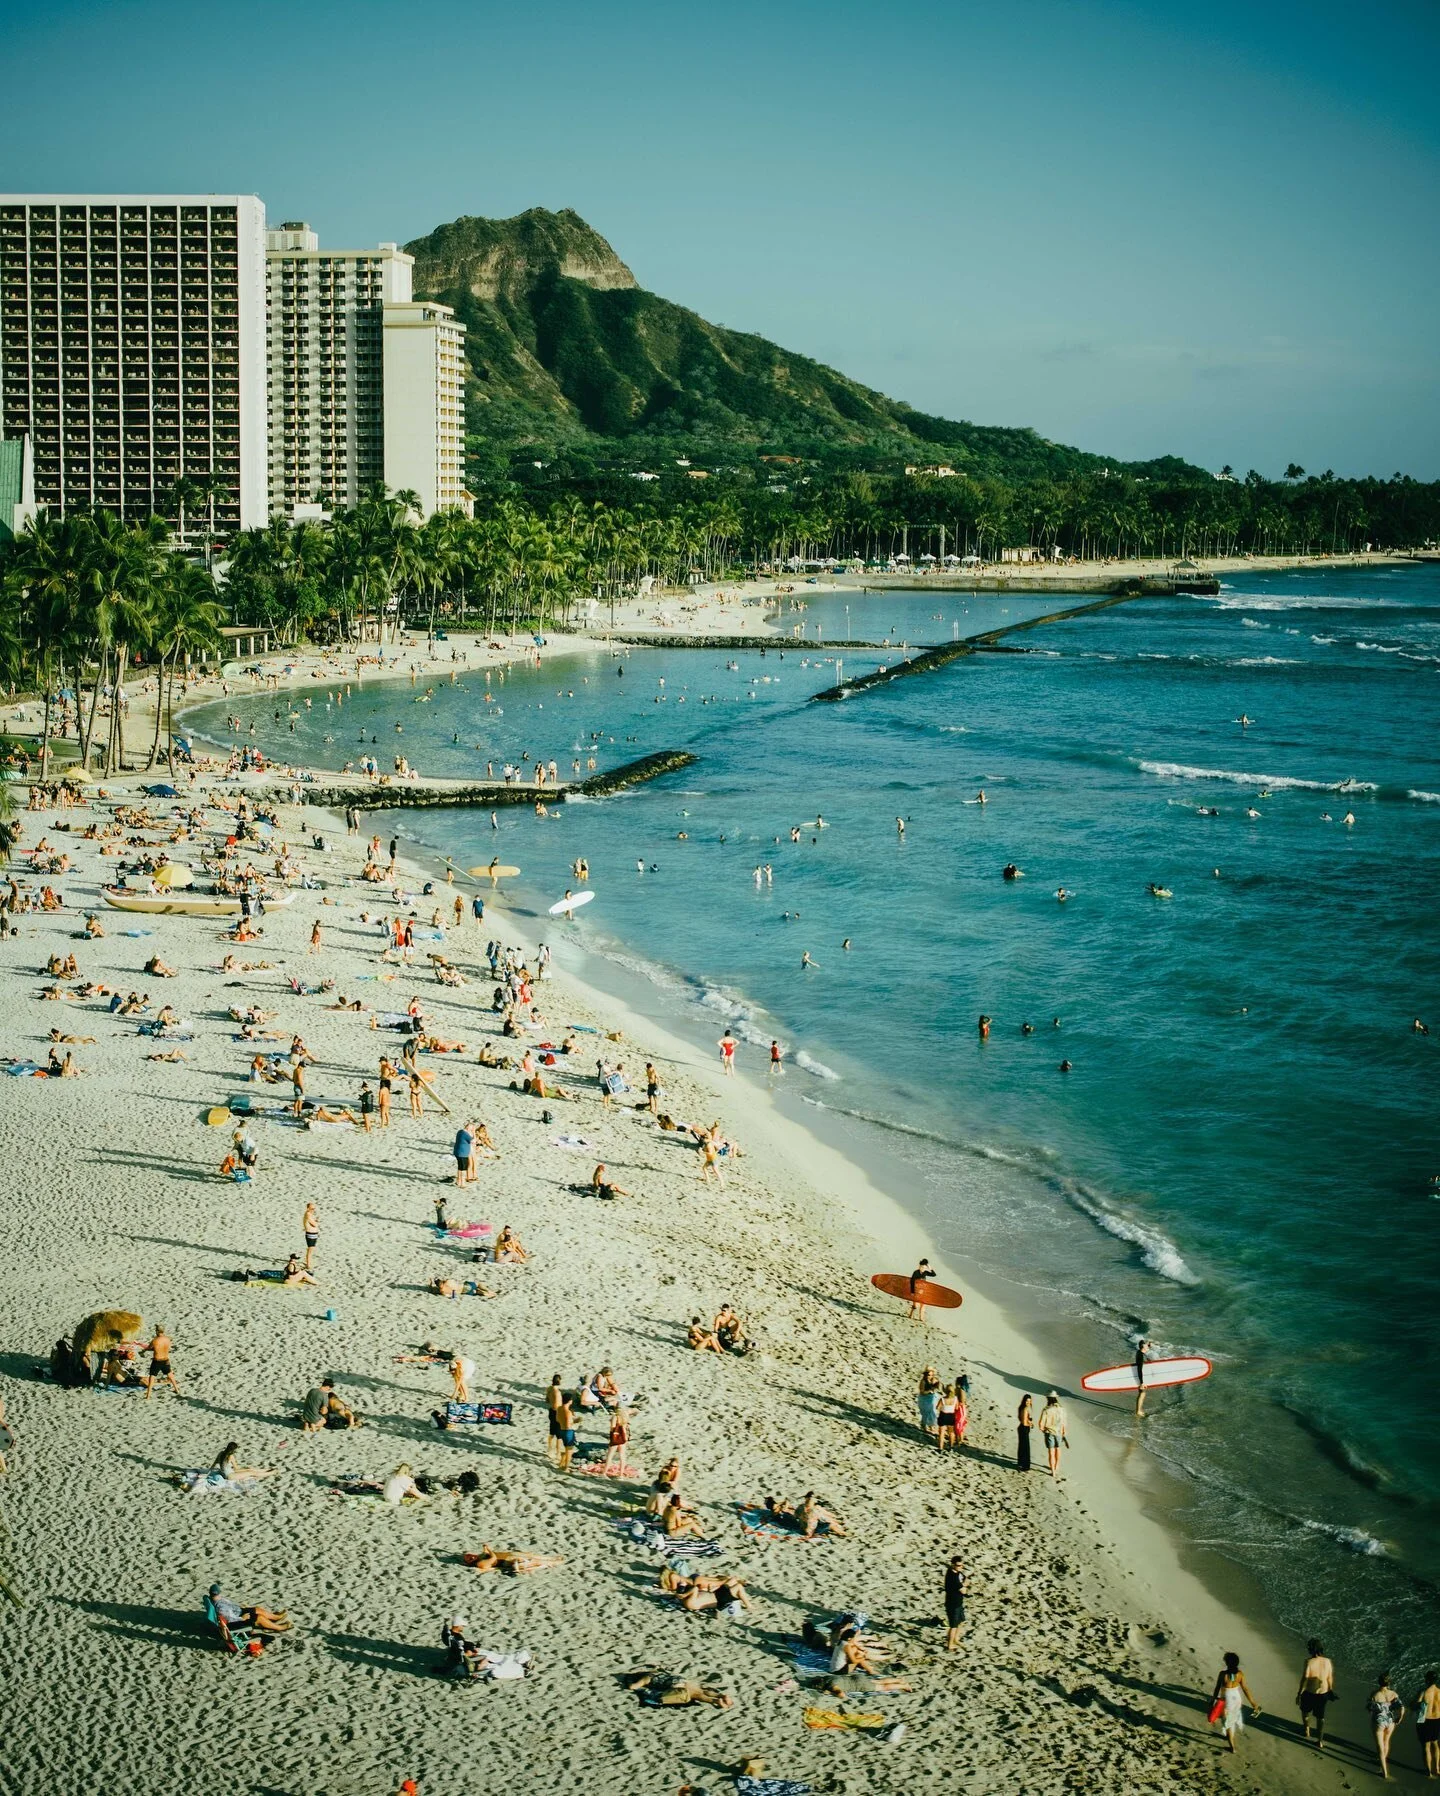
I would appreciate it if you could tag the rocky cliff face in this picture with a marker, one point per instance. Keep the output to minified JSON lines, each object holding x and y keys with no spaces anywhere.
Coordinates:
{"x":493,"y":258}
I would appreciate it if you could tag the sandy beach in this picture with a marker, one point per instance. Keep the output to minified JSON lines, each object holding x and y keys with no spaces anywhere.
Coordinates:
{"x":1089,"y":1650}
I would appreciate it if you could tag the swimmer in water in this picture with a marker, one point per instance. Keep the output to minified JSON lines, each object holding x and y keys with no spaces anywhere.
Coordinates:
{"x":1065,"y":1066}
{"x":846,"y":944}
{"x":1244,"y":721}
{"x":1348,"y":818}
{"x":1061,"y":893}
{"x":805,"y":961}
{"x":983,"y":1028}
{"x":1027,"y":1028}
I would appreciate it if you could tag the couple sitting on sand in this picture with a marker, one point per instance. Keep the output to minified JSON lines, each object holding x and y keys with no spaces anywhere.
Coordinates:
{"x":725,"y":1335}
{"x":322,"y":1408}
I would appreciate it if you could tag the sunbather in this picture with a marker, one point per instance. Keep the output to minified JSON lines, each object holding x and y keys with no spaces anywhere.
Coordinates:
{"x":812,"y":1516}
{"x":701,"y":1338}
{"x":514,"y":1564}
{"x":247,"y":1615}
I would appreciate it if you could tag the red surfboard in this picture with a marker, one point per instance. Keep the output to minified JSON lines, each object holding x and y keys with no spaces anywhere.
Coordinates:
{"x":923,"y":1290}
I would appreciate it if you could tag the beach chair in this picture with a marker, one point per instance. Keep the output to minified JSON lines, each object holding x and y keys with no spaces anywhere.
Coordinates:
{"x":234,"y":1637}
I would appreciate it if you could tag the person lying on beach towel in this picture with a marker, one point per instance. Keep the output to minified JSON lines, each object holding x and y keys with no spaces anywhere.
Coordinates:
{"x":726,"y":1596}
{"x":665,"y":1690}
{"x":453,"y":1288}
{"x":746,"y":1785}
{"x":512,"y":1563}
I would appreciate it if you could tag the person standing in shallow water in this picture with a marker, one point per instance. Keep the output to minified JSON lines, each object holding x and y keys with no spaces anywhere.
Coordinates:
{"x":1024,"y":1422}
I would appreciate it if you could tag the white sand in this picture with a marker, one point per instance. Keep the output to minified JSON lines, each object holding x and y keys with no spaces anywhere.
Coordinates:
{"x":1089,"y":1653}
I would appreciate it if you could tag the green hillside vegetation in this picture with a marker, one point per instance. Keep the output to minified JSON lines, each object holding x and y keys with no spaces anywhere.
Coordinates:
{"x":571,"y":361}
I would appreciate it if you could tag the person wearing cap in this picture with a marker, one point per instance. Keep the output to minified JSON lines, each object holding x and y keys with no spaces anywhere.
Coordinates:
{"x":1053,"y":1431}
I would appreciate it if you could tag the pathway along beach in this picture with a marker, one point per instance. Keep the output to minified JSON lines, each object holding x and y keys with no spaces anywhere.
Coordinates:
{"x":1089,"y":1652}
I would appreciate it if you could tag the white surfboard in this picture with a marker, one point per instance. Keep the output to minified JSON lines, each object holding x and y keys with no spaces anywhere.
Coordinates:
{"x":573,"y":902}
{"x":1158,"y":1372}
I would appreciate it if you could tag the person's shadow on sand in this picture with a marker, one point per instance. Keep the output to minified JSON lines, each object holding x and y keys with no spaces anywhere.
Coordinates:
{"x":144,"y":1621}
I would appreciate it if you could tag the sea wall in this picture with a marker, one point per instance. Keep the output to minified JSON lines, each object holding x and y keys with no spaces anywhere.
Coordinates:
{"x":340,"y":792}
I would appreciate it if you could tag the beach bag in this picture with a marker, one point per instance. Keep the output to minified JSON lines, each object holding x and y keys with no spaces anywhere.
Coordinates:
{"x":1217,"y":1709}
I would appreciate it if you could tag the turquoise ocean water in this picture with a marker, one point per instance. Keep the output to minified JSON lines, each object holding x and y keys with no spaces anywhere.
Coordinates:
{"x":1242,"y":1160}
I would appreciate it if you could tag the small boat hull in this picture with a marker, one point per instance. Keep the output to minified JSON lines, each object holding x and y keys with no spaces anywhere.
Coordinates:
{"x":186,"y":904}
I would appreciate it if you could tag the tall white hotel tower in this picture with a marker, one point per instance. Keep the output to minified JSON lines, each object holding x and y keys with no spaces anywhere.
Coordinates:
{"x":132,"y":349}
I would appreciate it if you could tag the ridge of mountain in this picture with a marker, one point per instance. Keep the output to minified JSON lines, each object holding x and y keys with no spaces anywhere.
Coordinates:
{"x":569,"y":355}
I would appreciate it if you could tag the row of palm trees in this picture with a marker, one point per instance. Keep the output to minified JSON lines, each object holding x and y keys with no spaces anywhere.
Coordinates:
{"x":376,"y":564}
{"x":83,"y":599}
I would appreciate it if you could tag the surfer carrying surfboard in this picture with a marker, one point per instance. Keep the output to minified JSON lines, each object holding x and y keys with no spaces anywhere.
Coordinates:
{"x":1142,"y":1353}
{"x":923,"y":1272}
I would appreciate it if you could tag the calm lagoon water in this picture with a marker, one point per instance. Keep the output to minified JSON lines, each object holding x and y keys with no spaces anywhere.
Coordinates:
{"x":1242,"y":1161}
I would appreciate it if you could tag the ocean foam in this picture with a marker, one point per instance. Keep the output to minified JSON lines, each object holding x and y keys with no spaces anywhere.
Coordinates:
{"x":1354,"y":1540}
{"x":1157,"y":1251}
{"x":813,"y":1066}
{"x":1423,"y":797}
{"x":1177,"y":770}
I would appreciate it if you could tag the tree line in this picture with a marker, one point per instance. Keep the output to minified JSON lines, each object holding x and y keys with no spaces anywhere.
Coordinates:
{"x":83,"y":598}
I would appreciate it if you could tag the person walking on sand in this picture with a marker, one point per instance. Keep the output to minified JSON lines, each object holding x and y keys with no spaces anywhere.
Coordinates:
{"x":954,"y":1602}
{"x":777,"y":1060}
{"x":1227,"y":1698}
{"x":922,"y":1272}
{"x":1427,"y":1723}
{"x":1317,"y":1690}
{"x":159,"y":1349}
{"x":1024,"y":1422}
{"x":1054,"y":1432}
{"x":1387,"y":1711}
{"x":315,"y":937}
{"x":310,"y":1224}
{"x":461,"y":1371}
{"x":727,"y":1054}
{"x":554,"y":1397}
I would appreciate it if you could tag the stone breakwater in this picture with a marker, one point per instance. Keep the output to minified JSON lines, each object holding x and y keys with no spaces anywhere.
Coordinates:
{"x":339,"y":793}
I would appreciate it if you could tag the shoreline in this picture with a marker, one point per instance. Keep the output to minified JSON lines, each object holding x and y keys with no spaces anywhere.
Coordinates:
{"x":1103,"y":1646}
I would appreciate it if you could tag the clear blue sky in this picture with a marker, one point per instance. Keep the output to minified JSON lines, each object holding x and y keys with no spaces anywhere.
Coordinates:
{"x":1141,"y":227}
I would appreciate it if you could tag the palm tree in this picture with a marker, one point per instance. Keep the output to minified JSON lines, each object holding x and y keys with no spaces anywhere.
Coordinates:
{"x":187,"y":618}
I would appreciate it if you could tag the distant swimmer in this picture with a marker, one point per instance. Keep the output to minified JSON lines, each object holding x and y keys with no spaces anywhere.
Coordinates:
{"x":1207,"y":810}
{"x":1348,"y":818}
{"x":1250,"y":811}
{"x":983,"y":1027}
{"x":1418,"y":1028}
{"x":900,"y":827}
{"x":1027,"y":1028}
{"x":1065,"y":1066}
{"x":1264,"y":792}
{"x":1011,"y":871}
{"x":980,"y":797}
{"x":1061,"y":893}
{"x":1325,"y":817}
{"x":1159,"y":891}
{"x":805,"y":961}
{"x":846,"y":944}
{"x":639,"y":866}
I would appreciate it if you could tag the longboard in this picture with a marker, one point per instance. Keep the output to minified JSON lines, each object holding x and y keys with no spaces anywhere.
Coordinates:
{"x":494,"y":872}
{"x":1158,"y":1372}
{"x":573,"y":902}
{"x":895,"y":1284}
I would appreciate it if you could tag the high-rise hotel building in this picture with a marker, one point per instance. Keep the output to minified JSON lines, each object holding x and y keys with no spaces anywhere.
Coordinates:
{"x":325,"y":337}
{"x":143,"y":338}
{"x":132,"y":350}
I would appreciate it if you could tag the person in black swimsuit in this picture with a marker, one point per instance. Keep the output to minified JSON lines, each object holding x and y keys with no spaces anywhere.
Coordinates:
{"x":954,"y":1602}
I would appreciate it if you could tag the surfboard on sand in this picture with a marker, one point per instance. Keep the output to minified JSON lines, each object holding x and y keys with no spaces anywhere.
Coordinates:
{"x":494,"y":872}
{"x":895,"y":1284}
{"x":573,"y":902}
{"x":1158,"y":1372}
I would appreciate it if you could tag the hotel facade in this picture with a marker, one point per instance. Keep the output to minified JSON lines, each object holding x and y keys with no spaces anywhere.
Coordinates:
{"x":148,"y":337}
{"x":132,"y":350}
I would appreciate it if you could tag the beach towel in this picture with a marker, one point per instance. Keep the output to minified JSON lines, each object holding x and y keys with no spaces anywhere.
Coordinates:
{"x":755,"y":1522}
{"x":770,"y":1786}
{"x":208,"y":1483}
{"x":601,"y":1470}
{"x":486,"y":1662}
{"x":576,"y":1143}
{"x":24,"y":1069}
{"x":468,"y":1231}
{"x":832,"y":1718}
{"x":644,"y":1534}
{"x":474,"y":1414}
